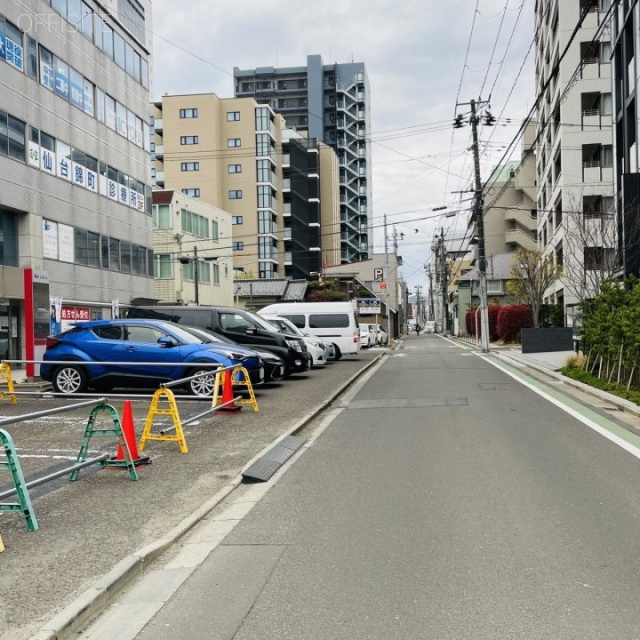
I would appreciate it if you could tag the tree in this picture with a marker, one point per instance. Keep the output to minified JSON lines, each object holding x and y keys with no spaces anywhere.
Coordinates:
{"x":592,"y":253}
{"x":532,"y":273}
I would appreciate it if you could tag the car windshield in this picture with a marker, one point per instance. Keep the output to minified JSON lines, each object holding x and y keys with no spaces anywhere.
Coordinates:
{"x":261,"y":322}
{"x":288,"y":326}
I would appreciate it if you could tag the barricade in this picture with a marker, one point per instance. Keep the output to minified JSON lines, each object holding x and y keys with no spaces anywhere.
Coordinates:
{"x":171,"y":408}
{"x":5,"y":370}
{"x":21,"y":487}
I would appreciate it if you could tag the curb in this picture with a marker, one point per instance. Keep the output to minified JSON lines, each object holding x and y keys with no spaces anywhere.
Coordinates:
{"x":97,"y":597}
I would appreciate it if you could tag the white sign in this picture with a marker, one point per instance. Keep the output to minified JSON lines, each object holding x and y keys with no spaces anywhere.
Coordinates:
{"x":49,"y":239}
{"x":65,"y":242}
{"x":378,"y":274}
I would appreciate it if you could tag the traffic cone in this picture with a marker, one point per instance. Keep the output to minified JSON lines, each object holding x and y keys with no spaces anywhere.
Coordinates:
{"x":129,"y":434}
{"x":227,"y":394}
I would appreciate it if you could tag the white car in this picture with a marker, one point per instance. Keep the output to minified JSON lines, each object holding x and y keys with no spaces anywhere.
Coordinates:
{"x":383,"y":336}
{"x":368,"y":335}
{"x":315,"y":346}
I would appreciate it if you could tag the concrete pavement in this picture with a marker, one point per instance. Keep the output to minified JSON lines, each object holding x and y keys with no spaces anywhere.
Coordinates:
{"x":98,"y":594}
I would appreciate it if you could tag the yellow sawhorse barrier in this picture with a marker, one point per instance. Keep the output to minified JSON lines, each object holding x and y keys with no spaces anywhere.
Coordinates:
{"x":5,"y":370}
{"x":218,"y":390}
{"x":170,"y":410}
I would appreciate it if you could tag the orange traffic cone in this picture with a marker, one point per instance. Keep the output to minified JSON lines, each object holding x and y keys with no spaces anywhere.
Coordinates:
{"x":228,"y":398}
{"x":129,"y":434}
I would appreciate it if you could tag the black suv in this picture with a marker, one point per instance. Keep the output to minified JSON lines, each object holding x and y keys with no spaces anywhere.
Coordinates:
{"x":244,"y":327}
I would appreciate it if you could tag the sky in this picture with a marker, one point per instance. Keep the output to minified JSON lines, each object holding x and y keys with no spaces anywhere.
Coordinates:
{"x":424,"y":59}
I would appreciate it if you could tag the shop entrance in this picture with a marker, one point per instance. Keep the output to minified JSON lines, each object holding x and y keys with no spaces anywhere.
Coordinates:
{"x":9,"y":332}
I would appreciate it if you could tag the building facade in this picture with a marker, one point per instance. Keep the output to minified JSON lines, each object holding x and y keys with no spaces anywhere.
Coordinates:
{"x":75,"y":184}
{"x":330,"y":103}
{"x":626,"y":50}
{"x":193,"y":263}
{"x":237,"y":155}
{"x":574,"y":150}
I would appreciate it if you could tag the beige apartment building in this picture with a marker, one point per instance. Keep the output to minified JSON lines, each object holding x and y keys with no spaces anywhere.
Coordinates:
{"x":237,"y":155}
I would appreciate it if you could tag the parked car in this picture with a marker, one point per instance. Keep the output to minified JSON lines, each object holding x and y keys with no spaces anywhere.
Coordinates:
{"x":273,"y":364}
{"x":368,"y":335}
{"x":335,"y":321}
{"x":128,"y":353}
{"x":314,"y":345}
{"x":430,"y":326}
{"x":383,"y":336}
{"x":244,"y":327}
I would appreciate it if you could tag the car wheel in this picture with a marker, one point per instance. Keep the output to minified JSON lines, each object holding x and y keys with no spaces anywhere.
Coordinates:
{"x":338,"y":352}
{"x":69,"y":379}
{"x":203,"y":385}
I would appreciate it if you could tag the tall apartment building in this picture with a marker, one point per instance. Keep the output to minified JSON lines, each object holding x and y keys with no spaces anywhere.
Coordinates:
{"x":626,"y":70}
{"x":237,"y":155}
{"x":330,"y":103}
{"x":75,"y":188}
{"x":574,"y":147}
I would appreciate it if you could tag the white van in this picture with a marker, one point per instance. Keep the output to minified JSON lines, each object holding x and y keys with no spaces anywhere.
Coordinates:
{"x":336,"y":322}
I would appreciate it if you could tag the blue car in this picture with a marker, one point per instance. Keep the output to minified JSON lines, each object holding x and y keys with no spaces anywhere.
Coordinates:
{"x":136,"y":353}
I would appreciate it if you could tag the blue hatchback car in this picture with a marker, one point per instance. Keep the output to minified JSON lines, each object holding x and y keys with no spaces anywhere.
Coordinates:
{"x":136,"y":353}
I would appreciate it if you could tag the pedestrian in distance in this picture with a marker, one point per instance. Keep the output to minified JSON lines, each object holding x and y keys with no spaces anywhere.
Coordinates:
{"x":417,"y":330}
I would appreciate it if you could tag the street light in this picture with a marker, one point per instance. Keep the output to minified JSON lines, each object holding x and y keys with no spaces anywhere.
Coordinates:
{"x":194,"y":261}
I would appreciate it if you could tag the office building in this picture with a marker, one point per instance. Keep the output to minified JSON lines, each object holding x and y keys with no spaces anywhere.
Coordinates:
{"x":330,"y":103}
{"x":574,"y":156}
{"x":75,"y":189}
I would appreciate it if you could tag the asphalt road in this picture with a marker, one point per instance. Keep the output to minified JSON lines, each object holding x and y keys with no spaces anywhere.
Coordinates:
{"x":447,"y":500}
{"x":88,"y":526}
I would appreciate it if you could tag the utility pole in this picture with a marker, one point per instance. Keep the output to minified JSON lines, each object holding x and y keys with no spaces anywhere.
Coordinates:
{"x":194,"y":260}
{"x":445,"y":286}
{"x":386,"y":276}
{"x":479,"y":218}
{"x":431,"y":311}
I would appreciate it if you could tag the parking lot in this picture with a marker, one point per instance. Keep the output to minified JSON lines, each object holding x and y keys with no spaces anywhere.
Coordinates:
{"x":88,"y":526}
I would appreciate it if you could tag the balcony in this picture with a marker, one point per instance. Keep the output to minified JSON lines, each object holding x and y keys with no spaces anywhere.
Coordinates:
{"x":158,"y":125}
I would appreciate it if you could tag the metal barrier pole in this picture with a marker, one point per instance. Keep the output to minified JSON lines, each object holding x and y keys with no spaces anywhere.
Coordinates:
{"x":47,"y":412}
{"x":57,"y":474}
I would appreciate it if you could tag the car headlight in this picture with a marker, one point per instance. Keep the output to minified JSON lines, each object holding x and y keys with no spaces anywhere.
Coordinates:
{"x":294,"y":344}
{"x":315,"y":343}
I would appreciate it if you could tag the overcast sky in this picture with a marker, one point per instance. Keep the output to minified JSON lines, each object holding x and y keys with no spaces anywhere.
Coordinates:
{"x":421,"y":56}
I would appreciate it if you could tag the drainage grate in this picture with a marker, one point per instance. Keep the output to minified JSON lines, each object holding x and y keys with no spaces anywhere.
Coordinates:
{"x":263,"y":468}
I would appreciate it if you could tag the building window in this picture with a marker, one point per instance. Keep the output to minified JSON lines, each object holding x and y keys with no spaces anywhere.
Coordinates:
{"x":234,"y":142}
{"x":194,"y":192}
{"x":235,"y":168}
{"x":162,"y":216}
{"x":237,"y":219}
{"x":188,"y":113}
{"x":190,"y":166}
{"x":238,"y":246}
{"x":235,"y":194}
{"x":188,"y":139}
{"x":233,"y":116}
